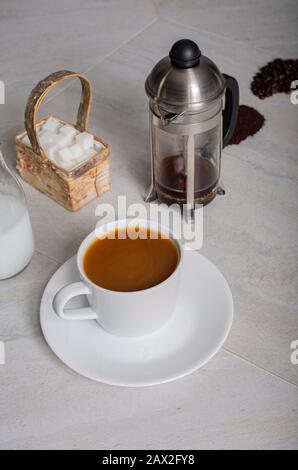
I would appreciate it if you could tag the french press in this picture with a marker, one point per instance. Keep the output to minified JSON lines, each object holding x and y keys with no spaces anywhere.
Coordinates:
{"x":193,"y":113}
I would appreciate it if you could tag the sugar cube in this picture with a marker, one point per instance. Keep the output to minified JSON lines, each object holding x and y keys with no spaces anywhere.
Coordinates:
{"x":64,"y":140}
{"x":68,"y":130}
{"x":98,"y":146}
{"x":50,"y":149}
{"x":76,"y":150}
{"x":46,"y":136}
{"x":63,"y":156}
{"x":51,"y":125}
{"x":26,"y":140}
{"x":90,"y":153}
{"x":86,"y":155}
{"x":69,"y":165}
{"x":85,"y":140}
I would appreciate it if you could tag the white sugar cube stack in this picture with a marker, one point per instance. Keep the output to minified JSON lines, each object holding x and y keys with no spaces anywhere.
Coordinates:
{"x":63,"y":144}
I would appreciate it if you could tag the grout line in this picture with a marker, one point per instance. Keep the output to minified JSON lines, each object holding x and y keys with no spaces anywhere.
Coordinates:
{"x":262,"y":369}
{"x":32,"y":335}
{"x":289,"y":382}
{"x":46,"y":255}
{"x":92,"y":67}
{"x":198,"y":29}
{"x":194,"y":28}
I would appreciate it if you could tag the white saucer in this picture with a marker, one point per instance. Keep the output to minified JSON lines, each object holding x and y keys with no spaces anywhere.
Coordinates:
{"x":197,"y":330}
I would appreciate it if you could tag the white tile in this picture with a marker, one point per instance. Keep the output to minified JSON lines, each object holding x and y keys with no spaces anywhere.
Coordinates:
{"x":65,"y":35}
{"x":227,"y":404}
{"x":20,"y":298}
{"x":30,"y":282}
{"x":269,"y":24}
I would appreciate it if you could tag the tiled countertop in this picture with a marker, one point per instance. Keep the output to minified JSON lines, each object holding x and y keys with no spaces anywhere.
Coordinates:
{"x":247,"y":395}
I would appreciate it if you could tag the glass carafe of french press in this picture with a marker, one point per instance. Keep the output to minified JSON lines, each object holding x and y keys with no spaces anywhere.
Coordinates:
{"x":193,"y":113}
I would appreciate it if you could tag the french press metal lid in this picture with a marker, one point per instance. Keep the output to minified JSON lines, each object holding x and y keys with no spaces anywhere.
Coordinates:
{"x":193,"y":113}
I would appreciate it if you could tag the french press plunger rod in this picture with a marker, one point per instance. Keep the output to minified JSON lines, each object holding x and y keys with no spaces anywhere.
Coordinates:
{"x":193,"y":113}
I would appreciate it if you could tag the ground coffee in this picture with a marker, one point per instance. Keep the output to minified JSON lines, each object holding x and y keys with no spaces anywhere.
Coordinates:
{"x":249,"y":122}
{"x":275,"y":77}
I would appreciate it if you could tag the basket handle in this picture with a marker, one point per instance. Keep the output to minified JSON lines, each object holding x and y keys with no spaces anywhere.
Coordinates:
{"x":41,"y":90}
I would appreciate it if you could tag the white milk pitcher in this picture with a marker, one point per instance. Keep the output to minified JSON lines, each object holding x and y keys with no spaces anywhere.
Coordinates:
{"x":16,"y":237}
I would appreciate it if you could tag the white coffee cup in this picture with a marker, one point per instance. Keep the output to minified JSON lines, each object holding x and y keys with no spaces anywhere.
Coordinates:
{"x":135,"y":313}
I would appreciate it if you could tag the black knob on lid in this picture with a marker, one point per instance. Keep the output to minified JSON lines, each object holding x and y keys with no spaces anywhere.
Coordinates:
{"x":185,"y":54}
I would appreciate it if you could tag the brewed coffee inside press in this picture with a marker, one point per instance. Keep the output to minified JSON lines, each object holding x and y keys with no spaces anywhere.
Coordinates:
{"x":172,"y":179}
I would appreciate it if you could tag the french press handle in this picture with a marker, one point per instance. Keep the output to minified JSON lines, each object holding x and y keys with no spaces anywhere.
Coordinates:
{"x":230,"y":112}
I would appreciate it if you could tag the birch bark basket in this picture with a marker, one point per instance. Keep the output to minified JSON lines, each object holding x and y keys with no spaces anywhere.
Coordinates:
{"x":75,"y":188}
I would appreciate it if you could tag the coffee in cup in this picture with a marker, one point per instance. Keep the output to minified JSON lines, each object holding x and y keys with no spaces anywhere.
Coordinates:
{"x":132,"y":285}
{"x":130,"y":259}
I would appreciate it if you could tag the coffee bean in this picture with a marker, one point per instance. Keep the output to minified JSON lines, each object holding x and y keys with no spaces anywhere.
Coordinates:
{"x":275,"y":77}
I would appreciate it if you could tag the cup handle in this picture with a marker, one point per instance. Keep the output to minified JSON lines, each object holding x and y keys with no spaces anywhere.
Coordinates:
{"x":67,"y":293}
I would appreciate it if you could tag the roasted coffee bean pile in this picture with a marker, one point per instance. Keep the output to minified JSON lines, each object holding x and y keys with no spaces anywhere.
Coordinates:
{"x":249,"y":122}
{"x":275,"y":77}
